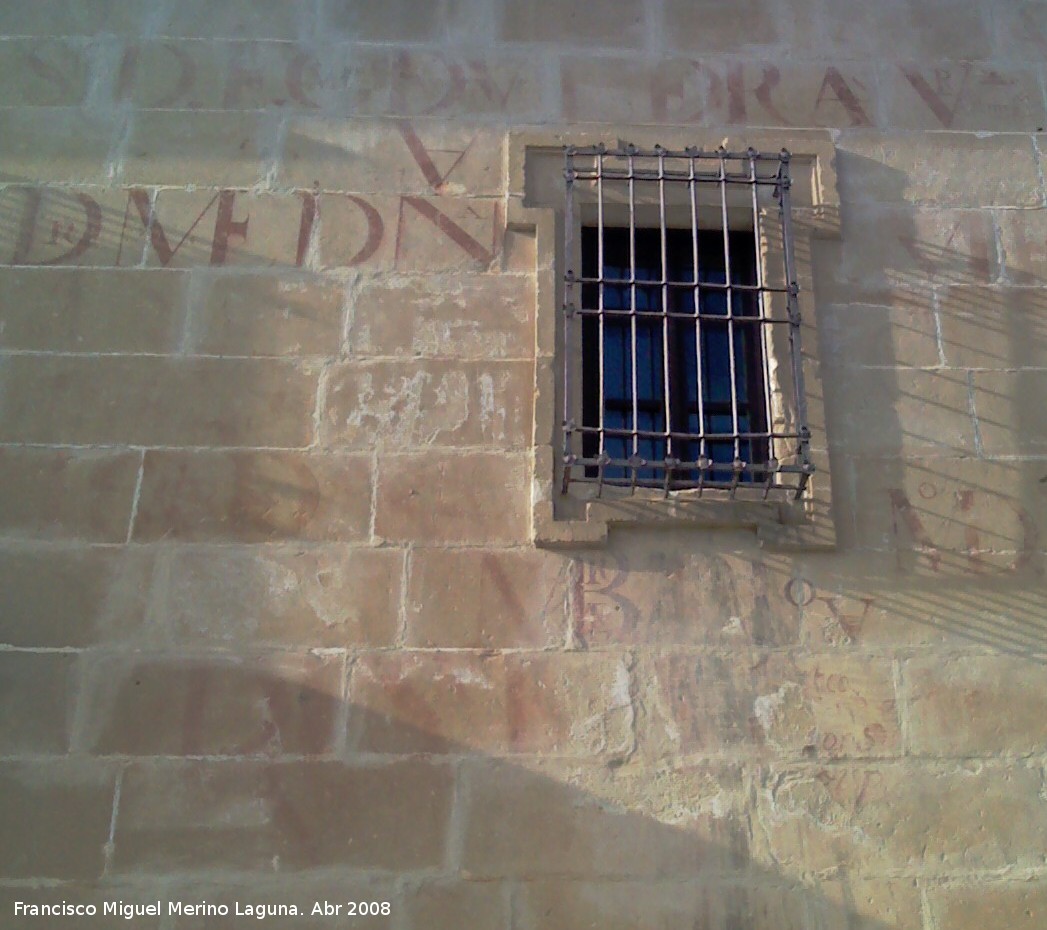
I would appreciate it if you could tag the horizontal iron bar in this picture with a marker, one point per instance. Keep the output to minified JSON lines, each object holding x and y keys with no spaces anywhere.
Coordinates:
{"x":699,"y":285}
{"x":612,"y":174}
{"x":688,"y":153}
{"x":761,"y":468}
{"x":674,"y":315}
{"x":694,"y":437}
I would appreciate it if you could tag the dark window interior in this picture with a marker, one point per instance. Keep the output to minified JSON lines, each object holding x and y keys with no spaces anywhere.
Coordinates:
{"x":682,"y":355}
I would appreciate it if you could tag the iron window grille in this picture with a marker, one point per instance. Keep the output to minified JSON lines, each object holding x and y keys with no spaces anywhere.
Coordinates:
{"x":673,"y":315}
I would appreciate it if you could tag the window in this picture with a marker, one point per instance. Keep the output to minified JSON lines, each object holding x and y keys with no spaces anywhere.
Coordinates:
{"x":670,"y":322}
{"x":676,"y":365}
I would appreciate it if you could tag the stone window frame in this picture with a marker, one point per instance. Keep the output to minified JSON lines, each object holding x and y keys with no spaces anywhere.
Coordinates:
{"x":535,"y":195}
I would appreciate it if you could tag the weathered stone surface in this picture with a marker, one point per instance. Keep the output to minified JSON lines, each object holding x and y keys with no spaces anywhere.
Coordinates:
{"x":566,"y":704}
{"x":43,"y":73}
{"x":961,"y":95}
{"x":381,"y":232}
{"x":928,"y":817}
{"x":706,"y":26}
{"x":209,"y":74}
{"x":450,"y":905}
{"x":994,"y":327}
{"x":58,"y":18}
{"x":1020,"y":905}
{"x":267,"y":315}
{"x":889,"y":411}
{"x":253,"y":497}
{"x":209,"y":705}
{"x":655,"y":593}
{"x":67,"y":146}
{"x":1022,"y":31}
{"x":622,"y":905}
{"x":945,"y":170}
{"x":486,"y":599}
{"x":902,"y":335}
{"x":867,"y":904}
{"x":61,"y":494}
{"x":73,"y":596}
{"x":1023,"y":242}
{"x":69,"y":310}
{"x":227,"y":228}
{"x":36,"y":696}
{"x":385,"y":156}
{"x":192,"y":816}
{"x":451,"y":498}
{"x":975,"y":705}
{"x":398,"y":405}
{"x":605,"y":22}
{"x":152,"y":401}
{"x":812,"y":705}
{"x":1012,"y":418}
{"x":464,"y":316}
{"x":267,"y":19}
{"x":322,"y":596}
{"x":529,"y":824}
{"x":60,"y":812}
{"x":210,"y":149}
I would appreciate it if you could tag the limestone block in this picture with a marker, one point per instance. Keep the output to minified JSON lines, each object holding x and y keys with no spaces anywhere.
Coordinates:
{"x":410,"y":82}
{"x":536,"y":825}
{"x":399,"y":405}
{"x":267,"y":315}
{"x":903,"y":334}
{"x":1020,"y":905}
{"x":469,"y":598}
{"x":191,"y":228}
{"x":60,"y":18}
{"x":451,"y":905}
{"x":54,"y":145}
{"x":73,"y":596}
{"x":994,"y":327}
{"x":70,"y":310}
{"x":1023,"y":241}
{"x":962,"y":95}
{"x":830,"y":705}
{"x":442,"y":497}
{"x":264,"y":19}
{"x":36,"y":695}
{"x":43,"y":73}
{"x":1022,"y":31}
{"x":62,"y":494}
{"x":381,"y":232}
{"x":156,"y":401}
{"x":60,"y":812}
{"x":317,"y":597}
{"x":867,"y":904}
{"x":889,"y":411}
{"x":945,"y":170}
{"x":1012,"y":418}
{"x":240,"y":815}
{"x":657,"y":593}
{"x":452,"y":702}
{"x":209,"y":705}
{"x":975,"y":705}
{"x":216,"y":75}
{"x":377,"y":156}
{"x":707,"y":27}
{"x":177,"y":147}
{"x":462,"y":316}
{"x":57,"y":226}
{"x":396,"y":21}
{"x":933,"y":818}
{"x":622,"y":905}
{"x":253,"y":497}
{"x":604,"y":22}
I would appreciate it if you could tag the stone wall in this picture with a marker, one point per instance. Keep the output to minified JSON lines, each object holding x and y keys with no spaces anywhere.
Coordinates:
{"x":272,"y":626}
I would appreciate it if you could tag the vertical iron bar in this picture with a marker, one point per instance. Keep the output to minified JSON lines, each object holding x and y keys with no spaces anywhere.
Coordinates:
{"x":665,"y":304}
{"x":697,"y":311}
{"x":761,"y":307}
{"x":600,"y":314}
{"x":567,"y":310}
{"x":632,"y":300}
{"x":804,"y":448}
{"x":730,"y":303}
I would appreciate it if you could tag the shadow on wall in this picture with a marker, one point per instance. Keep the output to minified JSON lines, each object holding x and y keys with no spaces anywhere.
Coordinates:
{"x":291,"y":797}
